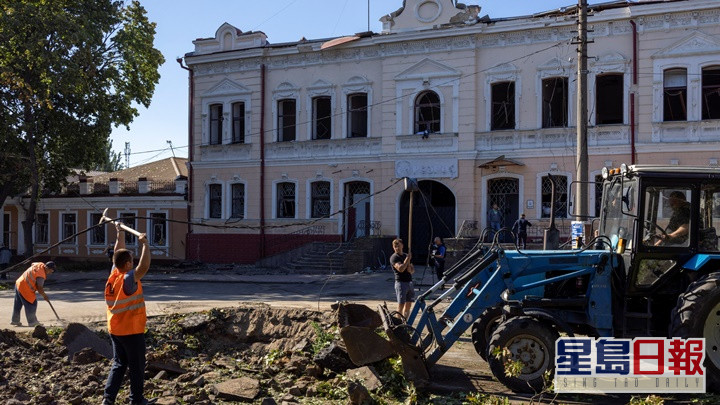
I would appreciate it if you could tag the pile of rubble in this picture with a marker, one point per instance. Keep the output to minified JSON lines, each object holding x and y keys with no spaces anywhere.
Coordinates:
{"x":251,"y":353}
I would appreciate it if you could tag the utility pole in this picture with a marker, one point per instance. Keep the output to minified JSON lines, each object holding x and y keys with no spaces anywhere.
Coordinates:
{"x":127,"y":155}
{"x":581,"y":199}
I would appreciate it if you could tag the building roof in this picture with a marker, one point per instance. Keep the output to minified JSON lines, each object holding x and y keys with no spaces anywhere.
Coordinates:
{"x":161,"y":170}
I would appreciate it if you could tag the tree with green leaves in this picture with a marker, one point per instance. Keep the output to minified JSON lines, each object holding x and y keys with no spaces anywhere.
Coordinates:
{"x":70,"y":70}
{"x":111,"y":161}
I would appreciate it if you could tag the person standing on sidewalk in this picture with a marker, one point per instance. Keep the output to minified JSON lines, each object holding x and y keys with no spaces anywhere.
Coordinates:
{"x":5,"y":257}
{"x":126,"y":318}
{"x":31,"y":281}
{"x":438,"y":252}
{"x":403,"y":270}
{"x":520,"y":229}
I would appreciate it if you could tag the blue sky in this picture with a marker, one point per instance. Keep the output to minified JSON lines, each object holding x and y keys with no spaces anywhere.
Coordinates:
{"x":179,"y":22}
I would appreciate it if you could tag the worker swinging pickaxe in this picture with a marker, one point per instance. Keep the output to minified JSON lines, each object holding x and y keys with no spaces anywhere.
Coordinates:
{"x":124,"y":227}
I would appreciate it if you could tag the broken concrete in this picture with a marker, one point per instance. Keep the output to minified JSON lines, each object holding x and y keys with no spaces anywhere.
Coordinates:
{"x":367,"y":376}
{"x":239,"y":389}
{"x":77,"y":337}
{"x":334,"y":358}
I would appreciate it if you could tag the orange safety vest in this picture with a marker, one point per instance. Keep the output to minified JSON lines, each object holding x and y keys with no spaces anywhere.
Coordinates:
{"x":27,"y":283}
{"x":125,"y":313}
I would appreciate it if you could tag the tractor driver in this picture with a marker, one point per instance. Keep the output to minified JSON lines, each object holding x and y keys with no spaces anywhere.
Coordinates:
{"x":679,"y":225}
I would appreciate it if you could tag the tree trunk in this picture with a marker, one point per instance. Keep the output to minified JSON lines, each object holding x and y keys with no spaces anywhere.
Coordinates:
{"x":29,"y":221}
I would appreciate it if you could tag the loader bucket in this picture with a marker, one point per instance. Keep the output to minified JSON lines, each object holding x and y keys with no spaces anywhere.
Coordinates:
{"x":358,"y":324}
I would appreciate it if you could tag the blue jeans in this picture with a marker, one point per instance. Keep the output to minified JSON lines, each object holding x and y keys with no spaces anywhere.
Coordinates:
{"x":128,"y":353}
{"x":30,"y":309}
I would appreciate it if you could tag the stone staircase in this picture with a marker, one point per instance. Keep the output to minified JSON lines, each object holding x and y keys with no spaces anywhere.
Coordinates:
{"x":323,"y":258}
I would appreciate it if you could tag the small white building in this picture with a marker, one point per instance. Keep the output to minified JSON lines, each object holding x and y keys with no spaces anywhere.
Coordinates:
{"x":480,"y":110}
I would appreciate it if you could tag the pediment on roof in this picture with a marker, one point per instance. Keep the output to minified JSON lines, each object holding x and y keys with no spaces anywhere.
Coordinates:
{"x":227,"y":87}
{"x":504,"y":68}
{"x":226,"y":28}
{"x":320,"y":84}
{"x":694,"y":44}
{"x":427,"y":68}
{"x":428,"y":14}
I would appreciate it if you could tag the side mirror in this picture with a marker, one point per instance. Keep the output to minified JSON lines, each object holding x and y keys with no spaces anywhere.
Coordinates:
{"x":629,"y":199}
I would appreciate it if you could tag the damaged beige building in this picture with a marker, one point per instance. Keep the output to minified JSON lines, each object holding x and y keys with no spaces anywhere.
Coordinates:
{"x":478,"y":109}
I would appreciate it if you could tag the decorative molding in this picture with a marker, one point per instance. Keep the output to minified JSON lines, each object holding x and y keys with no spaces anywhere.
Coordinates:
{"x":432,"y":144}
{"x":696,"y":44}
{"x":427,"y":68}
{"x":227,"y":87}
{"x":426,"y":169}
{"x":350,"y":147}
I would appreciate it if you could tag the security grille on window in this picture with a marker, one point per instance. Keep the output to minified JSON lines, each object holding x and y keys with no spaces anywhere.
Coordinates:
{"x":609,"y":99}
{"x":711,"y":93}
{"x":158,"y":229}
{"x":128,"y":218}
{"x":320,"y":200}
{"x":286,"y":200}
{"x":238,"y":123}
{"x":69,"y":228}
{"x":357,"y":115}
{"x":97,"y":235}
{"x":675,"y":95}
{"x":561,"y":199}
{"x":238,"y":201}
{"x":286,"y":120}
{"x":322,"y":117}
{"x":427,"y":112}
{"x":503,"y":106}
{"x":555,"y":102}
{"x":41,"y":229}
{"x":598,"y":194}
{"x":216,"y":119}
{"x":215,"y":200}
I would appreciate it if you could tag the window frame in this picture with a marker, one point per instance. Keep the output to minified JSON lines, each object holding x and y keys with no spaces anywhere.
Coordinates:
{"x":666,"y":101}
{"x":218,"y":123}
{"x":545,"y":124}
{"x":35,"y":229}
{"x":601,"y":89}
{"x":419,"y":106}
{"x":282,"y":116}
{"x":705,"y":89}
{"x":91,"y":234}
{"x":62,"y":234}
{"x":231,"y":200}
{"x":567,"y":192}
{"x":493,"y":103}
{"x":315,"y":121}
{"x":210,"y":199}
{"x":151,"y":229}
{"x":236,"y":119}
{"x":311,"y":197}
{"x":276,"y":199}
{"x":130,"y":239}
{"x":351,"y":113}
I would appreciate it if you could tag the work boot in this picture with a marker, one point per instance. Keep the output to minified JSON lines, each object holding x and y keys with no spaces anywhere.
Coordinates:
{"x":13,"y":323}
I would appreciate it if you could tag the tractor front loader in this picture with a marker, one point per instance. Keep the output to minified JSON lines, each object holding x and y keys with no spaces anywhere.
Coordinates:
{"x":647,"y":268}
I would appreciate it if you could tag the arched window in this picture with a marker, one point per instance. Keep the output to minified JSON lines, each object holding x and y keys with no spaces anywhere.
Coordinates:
{"x":427,"y":112}
{"x":711,"y":93}
{"x":561,"y":196}
{"x":675,"y":95}
{"x":320,"y":199}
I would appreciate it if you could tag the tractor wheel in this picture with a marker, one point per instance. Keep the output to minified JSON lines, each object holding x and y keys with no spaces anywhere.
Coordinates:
{"x":697,"y":315}
{"x":483,"y":328}
{"x":529,"y":341}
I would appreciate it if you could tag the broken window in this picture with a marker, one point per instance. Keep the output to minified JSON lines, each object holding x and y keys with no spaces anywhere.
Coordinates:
{"x":97,"y":235}
{"x":555,"y":102}
{"x":609,"y":99}
{"x":357,"y":115}
{"x":320,"y":199}
{"x":322,"y":117}
{"x":427,"y":112}
{"x":216,"y":119}
{"x":238,"y":123}
{"x":675,"y":95}
{"x":41,"y":229}
{"x":503,"y":106}
{"x":286,"y":120}
{"x":711,"y":93}
{"x":69,"y":228}
{"x":128,"y":218}
{"x":286,"y":200}
{"x":238,"y":201}
{"x":561,"y":196}
{"x":158,"y":229}
{"x":215,"y":200}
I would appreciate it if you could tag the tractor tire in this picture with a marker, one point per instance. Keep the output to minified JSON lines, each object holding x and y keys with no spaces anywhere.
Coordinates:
{"x":532,"y":343}
{"x":483,"y":328}
{"x":697,"y":315}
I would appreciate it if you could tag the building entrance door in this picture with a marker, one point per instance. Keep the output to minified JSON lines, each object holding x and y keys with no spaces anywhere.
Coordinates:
{"x":506,"y":194}
{"x":356,"y":217}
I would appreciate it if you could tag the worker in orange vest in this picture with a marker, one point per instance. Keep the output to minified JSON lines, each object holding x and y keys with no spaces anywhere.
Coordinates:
{"x":31,"y":281}
{"x":126,"y":320}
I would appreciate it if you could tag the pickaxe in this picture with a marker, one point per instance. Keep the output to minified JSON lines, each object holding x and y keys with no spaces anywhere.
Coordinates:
{"x":105,"y":218}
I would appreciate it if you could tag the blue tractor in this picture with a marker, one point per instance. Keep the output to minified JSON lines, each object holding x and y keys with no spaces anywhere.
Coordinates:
{"x":652,"y":270}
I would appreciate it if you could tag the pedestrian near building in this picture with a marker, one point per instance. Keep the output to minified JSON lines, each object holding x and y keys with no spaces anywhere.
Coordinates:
{"x":403,"y":269}
{"x":495,"y":219}
{"x":520,"y":229}
{"x":30,"y":282}
{"x":5,"y":257}
{"x":438,"y":253}
{"x":126,"y":318}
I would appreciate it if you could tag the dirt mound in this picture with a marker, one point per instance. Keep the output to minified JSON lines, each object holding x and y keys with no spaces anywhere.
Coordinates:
{"x":9,"y":338}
